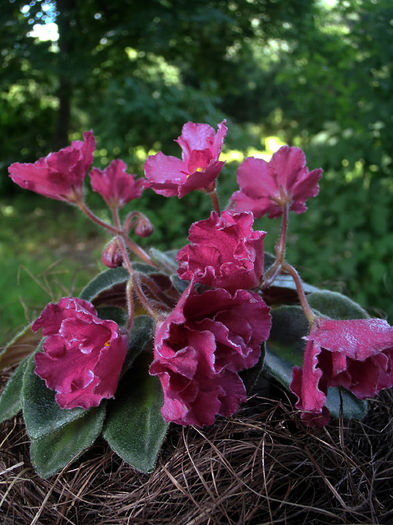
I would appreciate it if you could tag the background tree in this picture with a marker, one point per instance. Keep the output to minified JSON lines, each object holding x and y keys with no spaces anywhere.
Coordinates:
{"x":315,"y":75}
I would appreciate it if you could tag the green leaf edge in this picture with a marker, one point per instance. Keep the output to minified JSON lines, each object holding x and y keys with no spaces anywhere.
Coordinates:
{"x":104,"y":281}
{"x":10,"y":398}
{"x":145,"y":468}
{"x":76,"y":413}
{"x":45,"y":441}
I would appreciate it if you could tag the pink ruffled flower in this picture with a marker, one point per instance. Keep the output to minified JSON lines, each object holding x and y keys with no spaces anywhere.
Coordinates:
{"x":83,"y":354}
{"x":116,"y":186}
{"x":201,"y":147}
{"x":225,"y":252}
{"x":200,"y":348}
{"x":266,"y":187}
{"x":357,"y":355}
{"x":59,"y":175}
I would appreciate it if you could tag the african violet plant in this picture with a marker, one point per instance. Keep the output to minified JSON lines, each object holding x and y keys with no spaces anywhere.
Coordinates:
{"x":184,"y":337}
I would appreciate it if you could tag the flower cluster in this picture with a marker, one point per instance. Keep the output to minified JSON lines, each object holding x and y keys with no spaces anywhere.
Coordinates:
{"x":198,"y":168}
{"x":215,"y":326}
{"x":224,"y":252}
{"x":83,"y":354}
{"x":200,"y":348}
{"x":356,"y":355}
{"x":266,"y":187}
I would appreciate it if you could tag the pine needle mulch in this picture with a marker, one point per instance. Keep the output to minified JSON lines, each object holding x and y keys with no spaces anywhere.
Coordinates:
{"x":260,"y":467}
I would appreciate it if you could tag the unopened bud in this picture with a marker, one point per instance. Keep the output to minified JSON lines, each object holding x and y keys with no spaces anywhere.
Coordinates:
{"x":143,"y":227}
{"x":111,"y":256}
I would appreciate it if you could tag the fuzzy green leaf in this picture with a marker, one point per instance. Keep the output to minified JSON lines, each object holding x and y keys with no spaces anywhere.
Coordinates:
{"x":135,"y":429}
{"x":285,"y":349}
{"x":141,"y":336}
{"x":113,"y":313}
{"x":104,"y":281}
{"x":52,"y":452}
{"x":10,"y":399}
{"x":336,"y":305}
{"x":166,"y":260}
{"x":41,"y":413}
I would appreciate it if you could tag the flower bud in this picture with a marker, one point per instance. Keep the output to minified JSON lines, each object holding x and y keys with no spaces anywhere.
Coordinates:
{"x":112,"y":256}
{"x":144,"y":227}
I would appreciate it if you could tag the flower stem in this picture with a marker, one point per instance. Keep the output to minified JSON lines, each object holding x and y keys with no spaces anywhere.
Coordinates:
{"x":130,"y":304}
{"x":213,"y":196}
{"x":311,"y":317}
{"x":133,"y":246}
{"x":143,"y":299}
{"x":83,"y":207}
{"x":140,"y":252}
{"x":275,"y":269}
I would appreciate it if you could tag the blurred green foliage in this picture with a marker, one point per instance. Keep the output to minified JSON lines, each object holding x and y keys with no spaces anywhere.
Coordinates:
{"x":315,"y":74}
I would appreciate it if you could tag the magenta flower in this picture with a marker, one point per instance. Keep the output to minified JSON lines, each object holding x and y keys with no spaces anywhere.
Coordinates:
{"x":116,"y":186}
{"x":357,"y":355}
{"x":59,"y":175}
{"x":266,"y":187}
{"x":225,"y":252}
{"x":201,"y":147}
{"x":200,"y":348}
{"x":83,"y":354}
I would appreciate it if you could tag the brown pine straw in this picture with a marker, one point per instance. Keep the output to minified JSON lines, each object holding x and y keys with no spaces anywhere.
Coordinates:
{"x":261,"y":466}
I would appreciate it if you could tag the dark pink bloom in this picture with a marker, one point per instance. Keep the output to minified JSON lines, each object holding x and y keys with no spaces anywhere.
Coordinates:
{"x":59,"y":175}
{"x":83,"y":354}
{"x":116,"y":186}
{"x":266,"y":187}
{"x":225,"y":252}
{"x":357,"y":355}
{"x":200,"y":348}
{"x":201,"y":147}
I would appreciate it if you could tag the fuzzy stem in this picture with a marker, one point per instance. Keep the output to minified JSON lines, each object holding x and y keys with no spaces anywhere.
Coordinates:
{"x":311,"y":317}
{"x":140,"y":252}
{"x":133,"y":246}
{"x":130,"y":304}
{"x":275,"y":269}
{"x":216,"y":205}
{"x":143,"y":299}
{"x":83,"y":207}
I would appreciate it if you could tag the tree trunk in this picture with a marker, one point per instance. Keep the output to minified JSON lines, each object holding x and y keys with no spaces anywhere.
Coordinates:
{"x":66,"y":25}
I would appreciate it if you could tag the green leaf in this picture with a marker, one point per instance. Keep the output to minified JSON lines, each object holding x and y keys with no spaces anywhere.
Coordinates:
{"x":135,"y":429}
{"x":113,"y":313}
{"x":41,"y":413}
{"x":23,"y":344}
{"x":286,"y":281}
{"x":178,"y":283}
{"x":268,"y":260}
{"x":141,"y":336}
{"x":289,"y":325}
{"x":52,"y":452}
{"x":253,"y":377}
{"x":353,"y":408}
{"x":166,"y":261}
{"x":10,"y":399}
{"x":336,"y":305}
{"x":107,"y":289}
{"x":285,"y":349}
{"x":104,"y":281}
